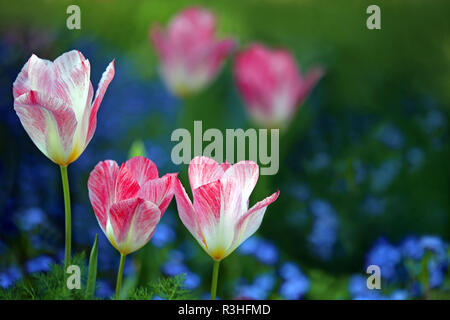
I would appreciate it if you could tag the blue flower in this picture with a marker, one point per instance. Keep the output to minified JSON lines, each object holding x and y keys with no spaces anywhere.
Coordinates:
{"x":383,"y":176}
{"x":294,"y":288}
{"x":415,"y":157}
{"x":290,"y":270}
{"x":163,"y":236}
{"x":39,"y":264}
{"x":266,"y":252}
{"x":324,"y":229}
{"x":357,"y":287}
{"x":192,"y":281}
{"x":103,"y":289}
{"x":412,"y":248}
{"x":30,"y":218}
{"x":386,"y":256}
{"x":258,"y":290}
{"x":249,"y":246}
{"x":399,"y":295}
{"x":173,"y":268}
{"x":9,"y":277}
{"x":392,"y":137}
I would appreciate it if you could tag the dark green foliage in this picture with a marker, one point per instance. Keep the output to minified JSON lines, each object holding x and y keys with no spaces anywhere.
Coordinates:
{"x":164,"y":288}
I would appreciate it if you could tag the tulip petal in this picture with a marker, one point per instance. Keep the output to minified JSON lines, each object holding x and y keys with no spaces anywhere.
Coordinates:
{"x":207,"y":204}
{"x":133,"y":222}
{"x":251,"y":221}
{"x":203,"y":170}
{"x":101,"y":186}
{"x":187,"y":213}
{"x":159,"y":191}
{"x":21,"y":84}
{"x":126,"y":185}
{"x":142,"y":169}
{"x":50,"y":123}
{"x":246,"y":174}
{"x":106,"y":79}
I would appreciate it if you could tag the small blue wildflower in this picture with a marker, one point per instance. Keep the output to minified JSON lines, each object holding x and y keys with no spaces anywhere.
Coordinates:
{"x":399,"y":295}
{"x":31,"y":218}
{"x":412,"y":248}
{"x":192,"y":281}
{"x":295,"y":288}
{"x":103,"y":289}
{"x":386,"y":256}
{"x":415,"y":157}
{"x":324,"y":229}
{"x":163,"y":236}
{"x":39,"y":264}
{"x":392,"y":137}
{"x":383,"y":176}
{"x":9,"y":277}
{"x":267,"y":252}
{"x":290,"y":270}
{"x":249,"y":246}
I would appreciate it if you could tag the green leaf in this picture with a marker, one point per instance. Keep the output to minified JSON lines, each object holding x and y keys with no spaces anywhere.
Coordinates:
{"x":92,"y":273}
{"x":137,"y":149}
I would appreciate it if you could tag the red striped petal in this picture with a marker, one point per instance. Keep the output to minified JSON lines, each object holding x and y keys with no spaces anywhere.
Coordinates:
{"x":101,"y":186}
{"x":159,"y":191}
{"x":186,"y":211}
{"x":207,"y":204}
{"x":106,"y":79}
{"x":133,"y":222}
{"x":203,"y":170}
{"x":142,"y":169}
{"x":50,"y":123}
{"x":251,"y":221}
{"x":126,"y":185}
{"x":246,"y":174}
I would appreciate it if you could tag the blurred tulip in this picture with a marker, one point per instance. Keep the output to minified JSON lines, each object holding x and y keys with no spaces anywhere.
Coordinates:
{"x":220,"y":219}
{"x":190,"y":54}
{"x":129,"y":201}
{"x":271,"y":84}
{"x":54,"y":103}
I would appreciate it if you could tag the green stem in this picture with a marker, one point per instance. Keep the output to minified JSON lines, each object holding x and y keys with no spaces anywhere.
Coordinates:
{"x":65,"y":183}
{"x":215,"y":276}
{"x":119,"y":275}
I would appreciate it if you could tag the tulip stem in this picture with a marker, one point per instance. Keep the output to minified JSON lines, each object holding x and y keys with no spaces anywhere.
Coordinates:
{"x":119,"y":275}
{"x":65,"y":183}
{"x":215,"y":276}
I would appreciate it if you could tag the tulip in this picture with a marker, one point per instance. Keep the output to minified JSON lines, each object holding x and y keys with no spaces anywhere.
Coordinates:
{"x":271,"y":85}
{"x":220,"y":219}
{"x":128,"y":203}
{"x":54,"y":102}
{"x":190,"y":55}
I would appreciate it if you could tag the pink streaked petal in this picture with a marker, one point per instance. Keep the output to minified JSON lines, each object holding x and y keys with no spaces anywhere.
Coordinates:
{"x":133,"y":222}
{"x":106,"y":79}
{"x":159,"y":191}
{"x":40,"y":74}
{"x":220,"y":52}
{"x":126,"y":185}
{"x":158,"y":38}
{"x":142,"y":169}
{"x":101,"y":186}
{"x":186,"y":211}
{"x":21,"y":84}
{"x":207,"y":204}
{"x":250,"y":221}
{"x":203,"y":170}
{"x":309,"y":82}
{"x":246,"y":174}
{"x":43,"y":116}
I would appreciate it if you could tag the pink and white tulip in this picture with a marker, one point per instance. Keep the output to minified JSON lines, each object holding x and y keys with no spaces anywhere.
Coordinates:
{"x":219,"y":219}
{"x":190,"y":55}
{"x":271,"y":85}
{"x":129,"y":201}
{"x":56,"y":105}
